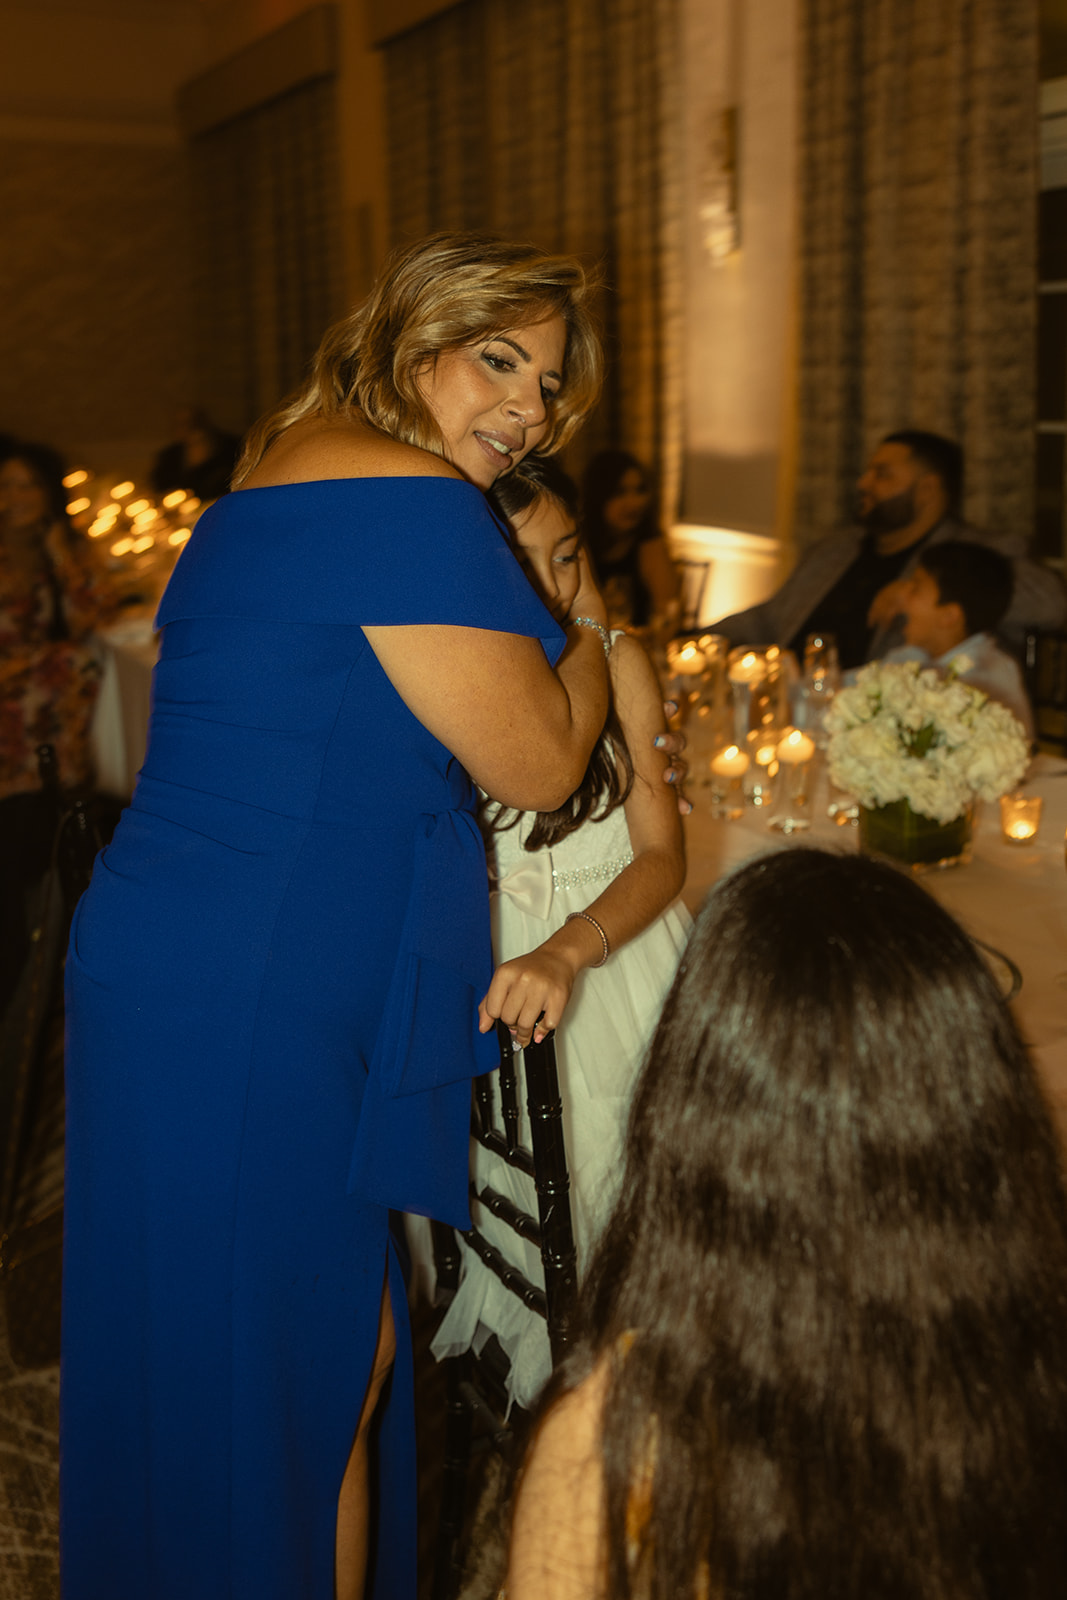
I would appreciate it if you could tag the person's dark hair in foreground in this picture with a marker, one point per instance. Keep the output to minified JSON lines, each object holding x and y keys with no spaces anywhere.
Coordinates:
{"x":828,"y":1312}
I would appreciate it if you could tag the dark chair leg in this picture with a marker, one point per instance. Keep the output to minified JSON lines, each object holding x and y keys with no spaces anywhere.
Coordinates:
{"x":458,"y":1425}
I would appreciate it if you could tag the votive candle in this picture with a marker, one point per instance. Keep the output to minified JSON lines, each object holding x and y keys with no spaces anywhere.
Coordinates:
{"x":1020,"y":817}
{"x":730,"y":763}
{"x":795,"y":748}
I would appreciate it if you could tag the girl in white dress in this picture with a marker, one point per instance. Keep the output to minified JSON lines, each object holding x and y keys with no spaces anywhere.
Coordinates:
{"x":587,"y":933}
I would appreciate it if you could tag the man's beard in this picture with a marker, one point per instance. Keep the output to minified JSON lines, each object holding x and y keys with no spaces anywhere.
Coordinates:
{"x":888,"y":516}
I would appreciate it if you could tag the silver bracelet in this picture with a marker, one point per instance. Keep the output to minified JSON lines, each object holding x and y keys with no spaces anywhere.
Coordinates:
{"x":603,"y":936}
{"x":590,"y":622}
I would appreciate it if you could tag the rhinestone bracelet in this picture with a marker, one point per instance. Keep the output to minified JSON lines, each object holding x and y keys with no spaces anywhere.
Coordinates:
{"x":603,"y":936}
{"x":591,"y":622}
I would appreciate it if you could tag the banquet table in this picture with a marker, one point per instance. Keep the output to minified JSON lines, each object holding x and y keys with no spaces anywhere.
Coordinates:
{"x":1012,"y":897}
{"x":119,"y":731}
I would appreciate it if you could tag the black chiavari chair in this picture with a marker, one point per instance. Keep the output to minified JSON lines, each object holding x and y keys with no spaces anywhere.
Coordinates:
{"x":478,"y":1417}
{"x":31,"y":1241}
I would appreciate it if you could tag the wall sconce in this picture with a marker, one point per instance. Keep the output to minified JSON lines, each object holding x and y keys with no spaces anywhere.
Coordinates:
{"x":719,"y":214}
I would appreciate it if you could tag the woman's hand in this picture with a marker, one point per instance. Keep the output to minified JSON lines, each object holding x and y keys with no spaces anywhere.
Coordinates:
{"x":673,"y":744}
{"x":529,"y":994}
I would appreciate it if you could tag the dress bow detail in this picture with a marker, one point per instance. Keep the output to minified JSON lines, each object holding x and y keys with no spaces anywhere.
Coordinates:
{"x":529,"y":885}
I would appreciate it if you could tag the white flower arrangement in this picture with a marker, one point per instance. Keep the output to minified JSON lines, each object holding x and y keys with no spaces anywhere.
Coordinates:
{"x":904,"y":732}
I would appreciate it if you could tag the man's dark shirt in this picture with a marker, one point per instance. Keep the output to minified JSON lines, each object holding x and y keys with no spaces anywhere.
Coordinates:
{"x":843,"y":610}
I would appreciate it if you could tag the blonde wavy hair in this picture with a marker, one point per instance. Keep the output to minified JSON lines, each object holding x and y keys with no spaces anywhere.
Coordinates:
{"x":446,"y":291}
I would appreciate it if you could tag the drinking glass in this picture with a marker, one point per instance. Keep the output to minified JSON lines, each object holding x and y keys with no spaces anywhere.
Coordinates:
{"x":821,"y":681}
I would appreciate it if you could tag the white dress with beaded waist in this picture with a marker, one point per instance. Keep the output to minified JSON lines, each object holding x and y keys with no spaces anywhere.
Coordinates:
{"x":600,"y":1046}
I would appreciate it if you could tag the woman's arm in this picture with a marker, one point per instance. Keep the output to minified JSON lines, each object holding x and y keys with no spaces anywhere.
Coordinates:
{"x":557,"y":1539}
{"x":523,"y":731}
{"x":541,"y":982}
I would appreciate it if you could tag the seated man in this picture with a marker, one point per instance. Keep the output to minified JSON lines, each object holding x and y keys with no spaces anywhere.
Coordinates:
{"x":908,"y":501}
{"x":952,"y":603}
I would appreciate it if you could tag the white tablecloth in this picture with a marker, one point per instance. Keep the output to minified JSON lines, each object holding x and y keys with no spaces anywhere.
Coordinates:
{"x":120,"y":722}
{"x":1012,"y":897}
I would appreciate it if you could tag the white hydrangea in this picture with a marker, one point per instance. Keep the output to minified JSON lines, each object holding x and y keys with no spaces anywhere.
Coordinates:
{"x":903,"y":732}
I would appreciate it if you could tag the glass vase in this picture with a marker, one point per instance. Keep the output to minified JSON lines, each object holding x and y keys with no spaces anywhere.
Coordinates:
{"x":918,"y":842}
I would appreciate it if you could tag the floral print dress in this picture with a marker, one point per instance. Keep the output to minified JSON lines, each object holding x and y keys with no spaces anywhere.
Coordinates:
{"x":49,"y":675}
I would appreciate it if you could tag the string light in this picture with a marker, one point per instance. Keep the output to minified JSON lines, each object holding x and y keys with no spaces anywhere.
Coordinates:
{"x":74,"y":506}
{"x":72,"y":480}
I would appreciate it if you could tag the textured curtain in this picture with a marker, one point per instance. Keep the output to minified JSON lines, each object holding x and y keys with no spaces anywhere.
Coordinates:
{"x":266,"y":284}
{"x":556,"y":121}
{"x":918,"y":194}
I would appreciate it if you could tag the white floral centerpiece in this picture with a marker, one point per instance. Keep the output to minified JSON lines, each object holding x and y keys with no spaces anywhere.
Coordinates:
{"x":910,"y":743}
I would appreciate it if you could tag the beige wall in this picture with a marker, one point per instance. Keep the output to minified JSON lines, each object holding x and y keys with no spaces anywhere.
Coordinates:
{"x":738,"y":312}
{"x":94,"y":342}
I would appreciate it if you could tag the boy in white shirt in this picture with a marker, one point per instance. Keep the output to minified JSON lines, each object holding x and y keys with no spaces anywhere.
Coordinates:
{"x":952,"y":602}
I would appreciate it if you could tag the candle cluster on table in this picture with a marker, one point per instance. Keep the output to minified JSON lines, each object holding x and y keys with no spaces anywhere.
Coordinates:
{"x":1020,"y":817}
{"x":141,"y":534}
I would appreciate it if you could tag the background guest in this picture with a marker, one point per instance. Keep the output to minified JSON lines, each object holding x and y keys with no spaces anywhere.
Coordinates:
{"x":908,"y":499}
{"x":201,"y":458}
{"x":51,"y":598}
{"x":630,"y":554}
{"x":822,"y":1347}
{"x":952,"y":603}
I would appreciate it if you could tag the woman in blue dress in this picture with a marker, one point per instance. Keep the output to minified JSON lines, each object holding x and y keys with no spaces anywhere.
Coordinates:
{"x":274,"y":977}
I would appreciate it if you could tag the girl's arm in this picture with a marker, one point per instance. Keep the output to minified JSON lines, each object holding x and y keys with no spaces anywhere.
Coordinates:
{"x":556,"y":1550}
{"x":541,"y":982}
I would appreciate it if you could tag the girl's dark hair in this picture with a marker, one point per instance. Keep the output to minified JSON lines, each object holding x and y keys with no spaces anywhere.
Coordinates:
{"x":833,"y":1293}
{"x":609,"y":777}
{"x":600,"y":483}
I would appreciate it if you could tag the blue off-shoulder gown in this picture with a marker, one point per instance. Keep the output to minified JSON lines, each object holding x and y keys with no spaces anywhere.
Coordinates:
{"x":272,"y":992}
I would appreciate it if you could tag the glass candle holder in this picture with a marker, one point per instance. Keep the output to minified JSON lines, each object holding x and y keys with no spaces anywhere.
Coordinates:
{"x":792,"y":798}
{"x":728,"y":767}
{"x":758,"y":781}
{"x":686,"y":667}
{"x":1020,"y":817}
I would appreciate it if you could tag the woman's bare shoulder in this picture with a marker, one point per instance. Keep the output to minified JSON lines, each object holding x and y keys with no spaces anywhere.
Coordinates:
{"x":314,"y":450}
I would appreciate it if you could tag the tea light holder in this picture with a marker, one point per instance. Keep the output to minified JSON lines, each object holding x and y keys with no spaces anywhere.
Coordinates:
{"x":792,"y":810}
{"x":758,"y":781}
{"x":728,"y":767}
{"x":1020,"y":817}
